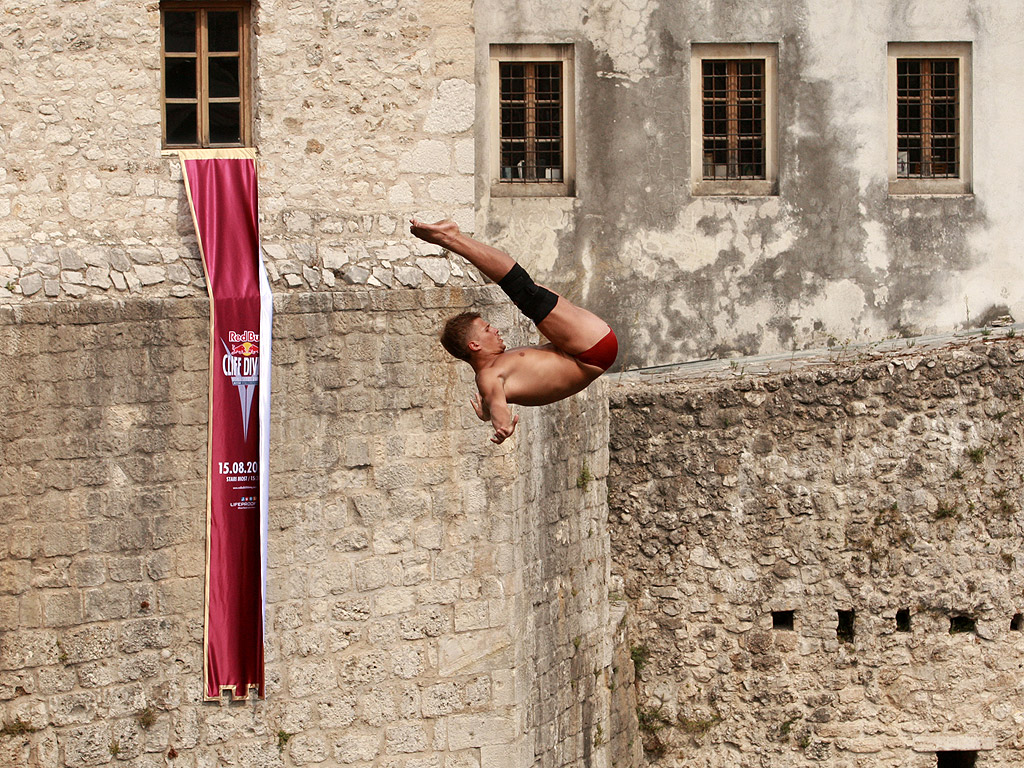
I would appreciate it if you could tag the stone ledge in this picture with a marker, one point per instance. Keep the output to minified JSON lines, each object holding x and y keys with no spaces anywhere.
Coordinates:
{"x":99,"y":311}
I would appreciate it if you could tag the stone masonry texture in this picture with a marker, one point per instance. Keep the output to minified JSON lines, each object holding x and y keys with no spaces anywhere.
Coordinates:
{"x":824,"y":566}
{"x":434,"y":601}
{"x":360,"y":122}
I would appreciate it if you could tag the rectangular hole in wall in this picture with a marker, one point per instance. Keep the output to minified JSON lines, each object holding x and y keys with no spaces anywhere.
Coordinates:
{"x":956,"y":759}
{"x":1017,"y":623}
{"x":958,"y":624}
{"x":845,"y":629}
{"x":903,"y":620}
{"x":782,"y":619}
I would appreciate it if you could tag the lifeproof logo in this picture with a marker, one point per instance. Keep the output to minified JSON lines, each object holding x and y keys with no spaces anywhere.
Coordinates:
{"x":241,"y":363}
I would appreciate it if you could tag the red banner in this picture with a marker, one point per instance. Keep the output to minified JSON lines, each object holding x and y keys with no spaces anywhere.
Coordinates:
{"x":222,"y":193}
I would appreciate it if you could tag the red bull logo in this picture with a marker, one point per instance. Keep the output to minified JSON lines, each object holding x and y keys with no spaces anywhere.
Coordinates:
{"x":241,"y":363}
{"x":245,"y":349}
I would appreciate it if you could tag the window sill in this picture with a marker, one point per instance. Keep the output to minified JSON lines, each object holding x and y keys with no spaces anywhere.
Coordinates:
{"x":526,"y":189}
{"x":929,"y":187}
{"x":173,"y":151}
{"x":734,"y":188}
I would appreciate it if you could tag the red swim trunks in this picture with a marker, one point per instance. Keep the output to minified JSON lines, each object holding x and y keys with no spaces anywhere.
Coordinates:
{"x":603,"y":353}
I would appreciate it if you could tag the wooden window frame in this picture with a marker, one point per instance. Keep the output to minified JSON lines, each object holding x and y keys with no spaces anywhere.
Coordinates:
{"x":733,"y":98}
{"x":202,"y":54}
{"x":529,"y":53}
{"x":768,"y":53}
{"x":930,"y":185}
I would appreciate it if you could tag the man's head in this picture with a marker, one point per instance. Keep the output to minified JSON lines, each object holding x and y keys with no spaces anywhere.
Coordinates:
{"x":456,"y":334}
{"x":468,"y":333}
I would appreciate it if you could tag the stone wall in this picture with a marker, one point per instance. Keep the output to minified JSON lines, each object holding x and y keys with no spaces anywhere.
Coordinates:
{"x":434,"y":601}
{"x":362,"y":118}
{"x":749,"y":511}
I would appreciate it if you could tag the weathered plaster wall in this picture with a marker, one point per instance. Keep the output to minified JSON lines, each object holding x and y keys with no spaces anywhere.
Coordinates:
{"x":363,"y":117}
{"x":434,"y":601}
{"x":870,"y":486}
{"x":832,"y":256}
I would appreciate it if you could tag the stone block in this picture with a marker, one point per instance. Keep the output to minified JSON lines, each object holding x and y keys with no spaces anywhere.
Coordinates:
{"x":405,"y":738}
{"x":443,"y":699}
{"x":336,"y":712}
{"x":477,"y":652}
{"x":307,"y":678}
{"x":369,"y":667}
{"x":304,"y":748}
{"x":407,"y":662}
{"x":87,"y":745}
{"x":28,"y":648}
{"x":62,"y":608}
{"x":469,"y":758}
{"x":430,"y":621}
{"x":356,"y":744}
{"x":125,"y":700}
{"x":371,"y":573}
{"x":388,"y":602}
{"x":107,"y":603}
{"x":452,"y":110}
{"x":467,"y":731}
{"x":427,"y":156}
{"x":74,"y":708}
{"x":139,"y":634}
{"x":472,"y":615}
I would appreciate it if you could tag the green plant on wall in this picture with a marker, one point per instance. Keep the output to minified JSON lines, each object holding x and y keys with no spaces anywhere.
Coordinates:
{"x":584,"y":477}
{"x":640,"y":654}
{"x":17,"y":727}
{"x":976,"y":454}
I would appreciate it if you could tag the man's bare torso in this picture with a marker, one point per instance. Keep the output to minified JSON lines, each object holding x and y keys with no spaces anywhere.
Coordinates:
{"x":538,"y":375}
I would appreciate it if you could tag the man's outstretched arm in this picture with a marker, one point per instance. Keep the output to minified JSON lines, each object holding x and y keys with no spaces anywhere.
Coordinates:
{"x":492,"y":405}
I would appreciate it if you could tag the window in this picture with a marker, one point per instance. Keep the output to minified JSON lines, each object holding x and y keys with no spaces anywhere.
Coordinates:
{"x":782,"y":619}
{"x":532,"y":137}
{"x":844,"y":629}
{"x":903,"y":620}
{"x":929,"y":118}
{"x":205,"y":74}
{"x":956,"y":759}
{"x":732,"y":114}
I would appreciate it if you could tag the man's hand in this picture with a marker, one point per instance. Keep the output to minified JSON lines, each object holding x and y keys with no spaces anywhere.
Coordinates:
{"x":480,"y":407}
{"x":442,"y":233}
{"x":500,"y":433}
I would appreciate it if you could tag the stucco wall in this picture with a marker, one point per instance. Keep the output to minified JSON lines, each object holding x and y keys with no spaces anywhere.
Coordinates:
{"x":363,"y":116}
{"x":832,"y":256}
{"x":871,"y":486}
{"x":433,"y":600}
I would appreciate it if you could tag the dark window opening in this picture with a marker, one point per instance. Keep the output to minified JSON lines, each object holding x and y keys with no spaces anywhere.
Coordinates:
{"x":531,"y":122}
{"x":733,"y":98}
{"x":782,"y":619}
{"x":959,"y":624}
{"x":927,"y":119}
{"x":845,"y":629}
{"x":1017,"y":623}
{"x":204,"y":74}
{"x":956,"y":759}
{"x":903,"y":620}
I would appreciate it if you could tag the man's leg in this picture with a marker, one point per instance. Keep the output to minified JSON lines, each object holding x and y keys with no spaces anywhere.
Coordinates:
{"x":493,"y":263}
{"x":570,"y":328}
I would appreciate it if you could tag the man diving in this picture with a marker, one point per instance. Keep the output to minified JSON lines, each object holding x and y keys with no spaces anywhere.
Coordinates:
{"x":581,"y":345}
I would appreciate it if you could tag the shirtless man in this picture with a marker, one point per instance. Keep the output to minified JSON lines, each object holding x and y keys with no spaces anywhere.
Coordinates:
{"x":581,"y":347}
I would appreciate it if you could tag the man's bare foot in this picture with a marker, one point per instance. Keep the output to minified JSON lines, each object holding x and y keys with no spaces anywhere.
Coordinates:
{"x":442,"y":233}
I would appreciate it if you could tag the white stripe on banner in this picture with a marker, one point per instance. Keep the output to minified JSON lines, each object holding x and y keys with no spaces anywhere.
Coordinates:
{"x":266,"y":324}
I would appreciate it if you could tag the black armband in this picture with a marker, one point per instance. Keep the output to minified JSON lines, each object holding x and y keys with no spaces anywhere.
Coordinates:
{"x":533,"y":300}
